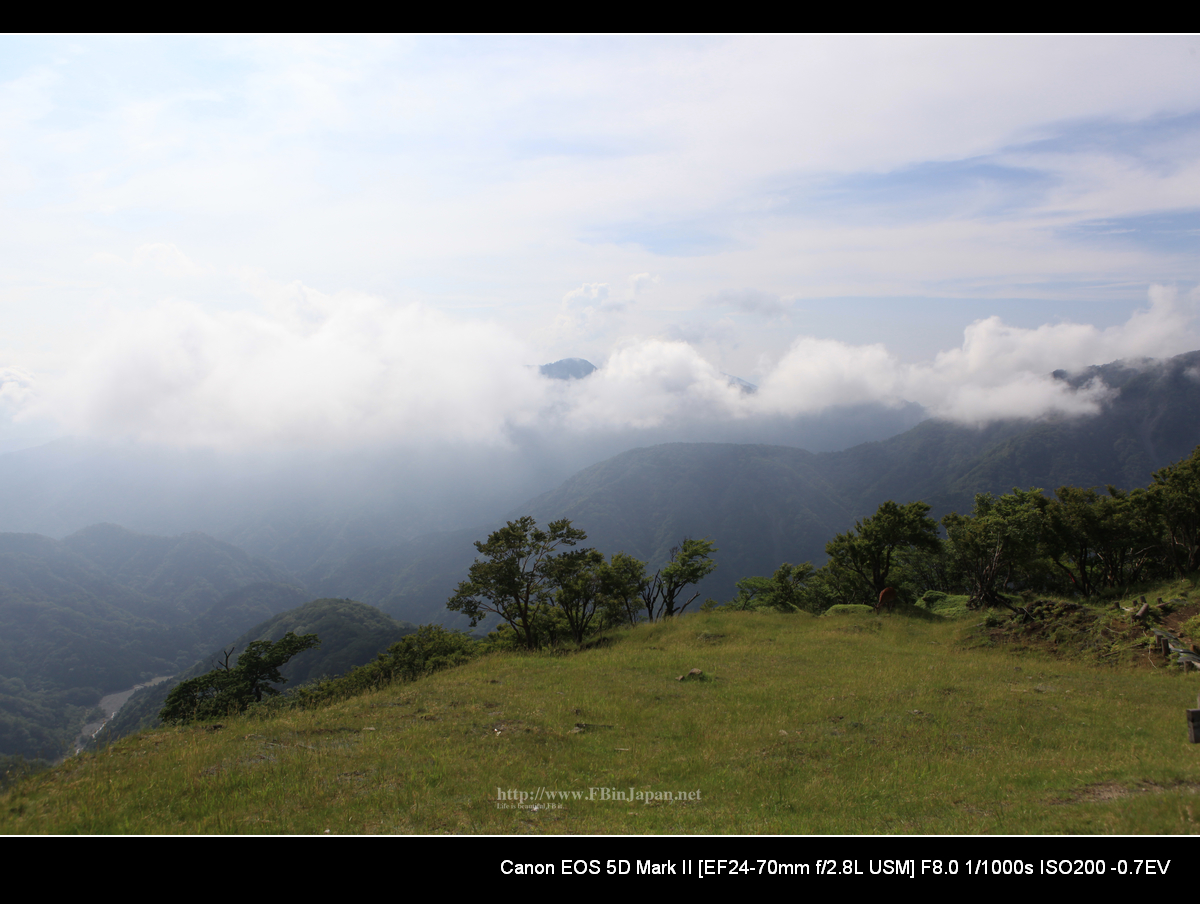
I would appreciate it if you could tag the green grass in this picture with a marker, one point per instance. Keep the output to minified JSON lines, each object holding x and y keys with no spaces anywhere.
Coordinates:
{"x":855,"y":724}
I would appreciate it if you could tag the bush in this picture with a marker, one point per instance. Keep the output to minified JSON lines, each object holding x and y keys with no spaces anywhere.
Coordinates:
{"x":850,"y":609}
{"x":945,"y":604}
{"x":1191,"y":629}
{"x":430,"y":649}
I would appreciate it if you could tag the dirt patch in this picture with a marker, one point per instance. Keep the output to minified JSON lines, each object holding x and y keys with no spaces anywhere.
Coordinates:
{"x":1113,"y":791}
{"x":511,"y":727}
{"x":341,"y":729}
{"x":1180,"y":616}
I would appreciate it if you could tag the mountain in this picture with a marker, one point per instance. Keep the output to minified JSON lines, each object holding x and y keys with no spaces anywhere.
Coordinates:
{"x":763,"y":505}
{"x":309,"y":509}
{"x":759,"y":504}
{"x":351,"y":634}
{"x":1152,"y":420}
{"x":106,"y":608}
{"x":185,"y":575}
{"x":414,"y":578}
{"x":567,"y":369}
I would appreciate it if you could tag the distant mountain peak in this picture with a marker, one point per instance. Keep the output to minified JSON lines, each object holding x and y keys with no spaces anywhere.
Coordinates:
{"x":738,"y":383}
{"x":567,"y":369}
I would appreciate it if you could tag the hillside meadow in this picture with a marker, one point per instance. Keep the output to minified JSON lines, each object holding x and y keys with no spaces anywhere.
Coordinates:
{"x":852,"y":723}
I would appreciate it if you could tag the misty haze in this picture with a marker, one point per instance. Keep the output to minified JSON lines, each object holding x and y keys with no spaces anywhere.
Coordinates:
{"x":294,"y":327}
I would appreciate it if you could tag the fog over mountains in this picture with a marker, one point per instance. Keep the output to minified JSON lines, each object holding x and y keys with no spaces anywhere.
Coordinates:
{"x":304,"y":506}
{"x":764,"y":504}
{"x":314,"y":514}
{"x":122,"y":562}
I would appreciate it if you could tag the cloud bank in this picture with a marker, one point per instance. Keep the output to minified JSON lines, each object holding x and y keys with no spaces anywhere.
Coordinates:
{"x":349,"y":370}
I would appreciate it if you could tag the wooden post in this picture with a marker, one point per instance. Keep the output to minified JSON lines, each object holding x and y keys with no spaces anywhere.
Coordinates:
{"x":1193,"y":720}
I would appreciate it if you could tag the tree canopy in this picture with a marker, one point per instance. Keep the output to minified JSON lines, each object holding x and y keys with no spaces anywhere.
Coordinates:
{"x":870,"y":550}
{"x":517,"y":577}
{"x":229,"y":688}
{"x":1000,"y":535}
{"x":690,"y":563}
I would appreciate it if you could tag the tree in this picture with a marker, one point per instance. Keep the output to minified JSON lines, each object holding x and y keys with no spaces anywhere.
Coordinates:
{"x":229,"y":689}
{"x":830,"y":586}
{"x":582,"y":577}
{"x":999,"y":538}
{"x":1174,"y":500}
{"x":869,"y":550}
{"x":1100,"y":541}
{"x":429,"y":649}
{"x":690,"y":563}
{"x":1073,"y":525}
{"x":784,"y":591}
{"x":626,"y":578}
{"x":517,"y":579}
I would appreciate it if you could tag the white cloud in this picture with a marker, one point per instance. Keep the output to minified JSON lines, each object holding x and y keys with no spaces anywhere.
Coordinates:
{"x":17,"y":389}
{"x":489,"y":174}
{"x":750,"y":301}
{"x":364,"y":372}
{"x":166,"y":259}
{"x":999,"y":371}
{"x":640,"y":282}
{"x":351,"y":369}
{"x":587,"y":295}
{"x":647,"y":383}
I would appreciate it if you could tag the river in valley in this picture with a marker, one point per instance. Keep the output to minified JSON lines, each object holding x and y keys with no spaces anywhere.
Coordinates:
{"x":110,"y":706}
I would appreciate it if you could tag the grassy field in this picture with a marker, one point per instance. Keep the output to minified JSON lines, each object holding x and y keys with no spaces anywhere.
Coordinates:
{"x":848,"y":724}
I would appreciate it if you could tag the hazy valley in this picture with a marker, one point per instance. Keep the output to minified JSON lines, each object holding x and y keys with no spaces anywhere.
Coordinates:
{"x":106,"y":606}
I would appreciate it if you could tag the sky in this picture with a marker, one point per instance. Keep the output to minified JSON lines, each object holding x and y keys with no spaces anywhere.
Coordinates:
{"x":257,"y":242}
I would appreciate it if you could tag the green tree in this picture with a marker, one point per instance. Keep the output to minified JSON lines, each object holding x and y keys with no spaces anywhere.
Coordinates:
{"x":870,"y":550}
{"x":229,"y":688}
{"x":517,"y":578}
{"x":999,"y":539}
{"x":690,"y":563}
{"x":582,"y":577}
{"x":1099,"y":541}
{"x":430,"y":649}
{"x":927,"y":569}
{"x":830,"y":586}
{"x":626,"y":578}
{"x":784,"y":591}
{"x":1073,"y":527}
{"x":1174,"y":501}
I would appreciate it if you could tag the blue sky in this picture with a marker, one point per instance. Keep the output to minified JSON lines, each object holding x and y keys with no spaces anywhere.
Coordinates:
{"x":256,"y":240}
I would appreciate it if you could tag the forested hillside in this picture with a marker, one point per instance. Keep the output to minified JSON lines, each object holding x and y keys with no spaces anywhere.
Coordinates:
{"x":106,"y":608}
{"x":350,"y":633}
{"x":1151,"y":420}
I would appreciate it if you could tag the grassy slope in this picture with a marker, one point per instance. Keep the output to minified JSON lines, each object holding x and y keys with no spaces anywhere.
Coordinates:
{"x":800,"y":725}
